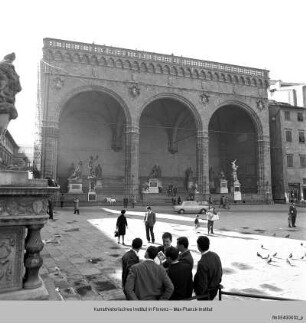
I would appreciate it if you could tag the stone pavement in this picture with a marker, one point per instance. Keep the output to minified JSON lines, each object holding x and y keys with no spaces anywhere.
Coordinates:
{"x":83,"y":261}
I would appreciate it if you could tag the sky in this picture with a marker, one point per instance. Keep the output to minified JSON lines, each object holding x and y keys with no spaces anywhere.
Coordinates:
{"x":267,"y":34}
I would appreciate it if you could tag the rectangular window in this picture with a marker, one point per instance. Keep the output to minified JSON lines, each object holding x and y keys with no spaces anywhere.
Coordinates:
{"x":289,"y":160}
{"x":300,"y":116}
{"x":304,"y":181}
{"x":287,"y":115}
{"x":301,"y":137}
{"x":288,"y":135}
{"x":303,"y":161}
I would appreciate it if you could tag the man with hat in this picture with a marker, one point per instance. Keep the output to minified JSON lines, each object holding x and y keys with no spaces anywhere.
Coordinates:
{"x":149,"y":220}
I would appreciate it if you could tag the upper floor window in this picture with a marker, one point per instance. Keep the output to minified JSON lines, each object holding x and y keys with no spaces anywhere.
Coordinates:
{"x":288,"y":135}
{"x":301,"y":136}
{"x":303,"y":161}
{"x":300,"y":116}
{"x":287,"y":115}
{"x":289,"y":160}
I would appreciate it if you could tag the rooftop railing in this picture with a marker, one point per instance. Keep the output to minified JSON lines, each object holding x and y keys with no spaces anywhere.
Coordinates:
{"x":150,"y":56}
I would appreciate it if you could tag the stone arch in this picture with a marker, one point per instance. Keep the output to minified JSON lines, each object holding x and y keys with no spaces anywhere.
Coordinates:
{"x":49,"y":55}
{"x":119,"y":63}
{"x":242,"y":80}
{"x":58,"y":56}
{"x":216,"y":76}
{"x":76,"y":58}
{"x":88,"y":88}
{"x":248,"y":81}
{"x":112,"y":62}
{"x":181,"y":71}
{"x":254,"y":81}
{"x":136,"y":66}
{"x":127,"y":64}
{"x":248,"y":109}
{"x":143,"y":67}
{"x":229,"y":78}
{"x":159,"y":69}
{"x":188,"y":72}
{"x":94,"y":60}
{"x":151,"y":68}
{"x":103,"y":61}
{"x":167,"y":69}
{"x":85,"y":59}
{"x":196,"y":73}
{"x":174,"y":70}
{"x":187,"y":103}
{"x":210,"y":76}
{"x":67,"y":57}
{"x":236,"y":79}
{"x":203,"y":74}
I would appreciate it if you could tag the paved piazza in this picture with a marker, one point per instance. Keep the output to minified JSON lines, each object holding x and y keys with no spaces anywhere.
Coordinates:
{"x":82,"y":259}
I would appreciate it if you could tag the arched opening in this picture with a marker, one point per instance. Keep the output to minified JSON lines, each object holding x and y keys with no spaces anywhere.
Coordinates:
{"x":168,"y":130}
{"x":92,"y":123}
{"x":233,"y":136}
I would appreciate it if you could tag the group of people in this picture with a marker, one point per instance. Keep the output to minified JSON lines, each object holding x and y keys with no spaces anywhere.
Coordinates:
{"x":166,"y":271}
{"x":211,"y":216}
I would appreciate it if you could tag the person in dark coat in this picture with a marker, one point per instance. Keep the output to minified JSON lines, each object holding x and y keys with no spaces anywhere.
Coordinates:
{"x":121,"y":226}
{"x":185,"y":254}
{"x":292,"y":215}
{"x":125,"y":202}
{"x":167,"y":240}
{"x":50,"y":209}
{"x":209,"y":272}
{"x":180,"y":275}
{"x":130,"y":258}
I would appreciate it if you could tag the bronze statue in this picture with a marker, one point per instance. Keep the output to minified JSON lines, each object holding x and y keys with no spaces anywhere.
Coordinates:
{"x":9,"y":86}
{"x":98,"y":171}
{"x":155,"y":172}
{"x":77,"y":173}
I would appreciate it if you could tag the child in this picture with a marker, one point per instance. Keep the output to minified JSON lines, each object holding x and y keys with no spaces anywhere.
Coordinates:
{"x":196,"y":222}
{"x":76,"y":206}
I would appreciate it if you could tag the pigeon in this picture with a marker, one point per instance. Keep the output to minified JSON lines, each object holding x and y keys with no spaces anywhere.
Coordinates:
{"x":287,"y":236}
{"x":259,"y":255}
{"x":269,"y":260}
{"x":290,"y":256}
{"x":274,"y":254}
{"x":289,"y":262}
{"x":262,"y":247}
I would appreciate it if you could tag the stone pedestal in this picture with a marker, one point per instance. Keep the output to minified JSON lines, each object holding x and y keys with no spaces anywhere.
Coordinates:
{"x":237,"y":191}
{"x":92,"y":196}
{"x":75,"y":188}
{"x":223,"y":189}
{"x":23,"y":213}
{"x":154,"y":185}
{"x":99,"y":186}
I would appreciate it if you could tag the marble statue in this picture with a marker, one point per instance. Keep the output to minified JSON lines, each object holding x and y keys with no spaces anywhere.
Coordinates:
{"x":91,"y":165}
{"x":77,"y":173}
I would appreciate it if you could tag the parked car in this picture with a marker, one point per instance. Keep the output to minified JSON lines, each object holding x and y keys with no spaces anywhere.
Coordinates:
{"x":191,"y":207}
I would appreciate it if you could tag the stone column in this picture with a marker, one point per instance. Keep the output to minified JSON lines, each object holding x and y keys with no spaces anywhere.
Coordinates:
{"x":264,"y":168}
{"x":32,"y":258}
{"x":202,"y":162}
{"x":132,"y":161}
{"x":50,"y":135}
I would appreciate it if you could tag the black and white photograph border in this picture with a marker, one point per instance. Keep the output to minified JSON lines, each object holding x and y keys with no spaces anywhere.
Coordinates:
{"x":107,"y":103}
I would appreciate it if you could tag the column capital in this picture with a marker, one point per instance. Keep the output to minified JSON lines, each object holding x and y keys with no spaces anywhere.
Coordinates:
{"x":131,"y":129}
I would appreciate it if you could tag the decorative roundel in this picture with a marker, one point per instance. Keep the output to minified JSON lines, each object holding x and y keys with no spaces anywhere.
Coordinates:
{"x":37,"y":206}
{"x":12,"y":208}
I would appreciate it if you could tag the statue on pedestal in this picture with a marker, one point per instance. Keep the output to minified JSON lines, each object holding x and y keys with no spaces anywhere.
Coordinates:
{"x":234,"y":167}
{"x":98,"y":171}
{"x":76,"y":176}
{"x":91,"y":166}
{"x":155,"y":172}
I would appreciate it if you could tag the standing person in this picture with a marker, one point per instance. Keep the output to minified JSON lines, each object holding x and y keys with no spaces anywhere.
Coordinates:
{"x":226,"y":203}
{"x":185,"y":254}
{"x":62,"y":198}
{"x":179,"y":200}
{"x":167,"y":241}
{"x":121,"y":226}
{"x":130,"y":258}
{"x":149,"y":220}
{"x":147,"y":280}
{"x":212,"y":216}
{"x":209,"y":271}
{"x":196,"y":222}
{"x":50,"y":209}
{"x":292,"y":215}
{"x":180,"y":275}
{"x":221,"y":202}
{"x":210,"y":201}
{"x":125,"y":202}
{"x":76,"y":203}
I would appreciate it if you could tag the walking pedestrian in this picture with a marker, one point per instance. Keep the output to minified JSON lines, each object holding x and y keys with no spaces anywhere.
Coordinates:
{"x":196,"y":222}
{"x":180,"y":275}
{"x":150,"y":220}
{"x":121,"y":226}
{"x":292,"y":215}
{"x":125,"y":202}
{"x":76,"y":203}
{"x":62,"y":198}
{"x":209,"y":271}
{"x":179,"y":200}
{"x":147,"y":280}
{"x":129,"y":259}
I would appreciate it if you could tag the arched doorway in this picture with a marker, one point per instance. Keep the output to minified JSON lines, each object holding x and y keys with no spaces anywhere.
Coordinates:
{"x":168,"y":130}
{"x":233,"y":135}
{"x":92,"y":123}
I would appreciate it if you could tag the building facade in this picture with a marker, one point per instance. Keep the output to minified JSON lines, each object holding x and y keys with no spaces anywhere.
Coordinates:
{"x":136,"y":109}
{"x":288,"y":150}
